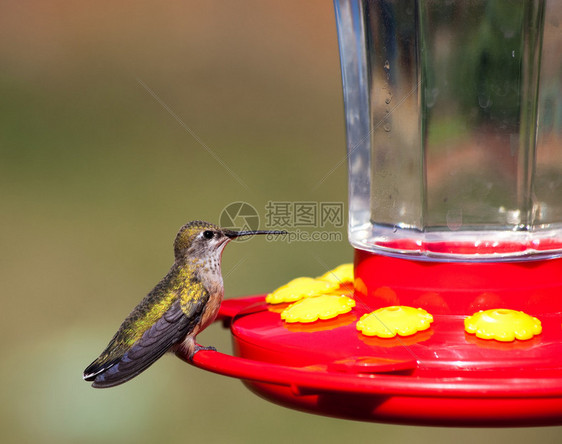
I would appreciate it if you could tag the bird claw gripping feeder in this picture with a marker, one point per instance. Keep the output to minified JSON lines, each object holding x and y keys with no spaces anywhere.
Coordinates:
{"x":453,"y":312}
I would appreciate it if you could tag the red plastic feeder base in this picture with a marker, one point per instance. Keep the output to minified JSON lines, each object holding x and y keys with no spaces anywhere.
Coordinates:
{"x":441,"y":376}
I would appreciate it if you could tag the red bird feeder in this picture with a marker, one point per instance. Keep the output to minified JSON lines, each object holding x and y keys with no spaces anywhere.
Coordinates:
{"x":454,"y":137}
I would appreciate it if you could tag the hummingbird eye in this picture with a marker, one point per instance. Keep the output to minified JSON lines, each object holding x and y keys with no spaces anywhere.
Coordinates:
{"x":208,"y":234}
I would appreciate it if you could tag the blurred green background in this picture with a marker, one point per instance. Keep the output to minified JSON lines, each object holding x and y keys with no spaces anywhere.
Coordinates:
{"x":97,"y":176}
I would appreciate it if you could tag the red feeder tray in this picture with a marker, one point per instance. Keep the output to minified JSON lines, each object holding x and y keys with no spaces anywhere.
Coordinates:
{"x":441,"y":376}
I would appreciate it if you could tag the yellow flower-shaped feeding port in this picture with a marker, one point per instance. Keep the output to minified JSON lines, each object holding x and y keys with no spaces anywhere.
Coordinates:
{"x":502,"y":325}
{"x":326,"y":306}
{"x":339,"y":275}
{"x":395,"y":320}
{"x":300,"y":288}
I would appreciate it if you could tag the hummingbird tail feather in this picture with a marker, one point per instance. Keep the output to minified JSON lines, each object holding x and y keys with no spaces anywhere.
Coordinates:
{"x":123,"y":371}
{"x":115,"y":366}
{"x":97,"y":367}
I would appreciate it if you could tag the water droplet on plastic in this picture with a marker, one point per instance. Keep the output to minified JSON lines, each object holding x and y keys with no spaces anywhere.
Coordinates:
{"x":387,"y":65}
{"x":484,"y":101}
{"x":387,"y":127}
{"x":431,"y":97}
{"x":454,"y":219}
{"x":513,"y":217}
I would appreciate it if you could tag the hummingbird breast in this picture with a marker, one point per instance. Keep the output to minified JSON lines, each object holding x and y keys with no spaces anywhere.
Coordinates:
{"x":211,"y":309}
{"x":211,"y":277}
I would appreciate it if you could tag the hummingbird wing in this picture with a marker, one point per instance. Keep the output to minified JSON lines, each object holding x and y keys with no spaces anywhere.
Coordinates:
{"x":118,"y":363}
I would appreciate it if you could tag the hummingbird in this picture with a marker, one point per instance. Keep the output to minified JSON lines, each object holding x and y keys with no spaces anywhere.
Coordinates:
{"x":179,"y":307}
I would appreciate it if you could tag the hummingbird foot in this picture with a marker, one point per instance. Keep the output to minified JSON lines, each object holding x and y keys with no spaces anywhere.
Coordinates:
{"x":199,"y":348}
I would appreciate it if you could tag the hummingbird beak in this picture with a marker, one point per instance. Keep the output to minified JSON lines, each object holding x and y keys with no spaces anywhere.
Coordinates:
{"x":235,"y":234}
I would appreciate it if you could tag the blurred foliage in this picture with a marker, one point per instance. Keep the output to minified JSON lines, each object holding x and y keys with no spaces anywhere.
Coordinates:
{"x":490,"y":70}
{"x":484,"y":71}
{"x":96,"y":176}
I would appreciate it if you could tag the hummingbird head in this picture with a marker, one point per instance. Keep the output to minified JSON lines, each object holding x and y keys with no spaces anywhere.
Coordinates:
{"x":198,"y":239}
